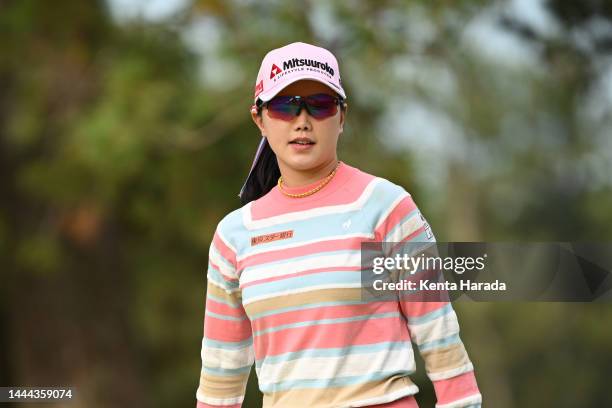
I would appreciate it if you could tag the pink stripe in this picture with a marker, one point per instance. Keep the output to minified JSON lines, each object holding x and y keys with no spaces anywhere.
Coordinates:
{"x":226,"y":330}
{"x":275,"y":203}
{"x":415,"y":299}
{"x":201,"y":404}
{"x":331,"y":335}
{"x":224,"y":309}
{"x":223,"y":249}
{"x":417,"y":309}
{"x":405,"y":402}
{"x":411,"y":236}
{"x":302,"y":273}
{"x":303,"y":250}
{"x":326,"y":312}
{"x":456,"y":388}
{"x":414,"y":234}
{"x":401,"y":210}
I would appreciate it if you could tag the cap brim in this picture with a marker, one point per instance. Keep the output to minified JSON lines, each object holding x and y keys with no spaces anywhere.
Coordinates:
{"x":272,"y":92}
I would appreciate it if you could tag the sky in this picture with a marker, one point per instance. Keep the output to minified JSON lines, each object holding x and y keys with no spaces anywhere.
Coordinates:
{"x":151,"y":10}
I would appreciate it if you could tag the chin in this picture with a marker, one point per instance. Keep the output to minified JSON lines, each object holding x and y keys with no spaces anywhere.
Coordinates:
{"x":303,"y":163}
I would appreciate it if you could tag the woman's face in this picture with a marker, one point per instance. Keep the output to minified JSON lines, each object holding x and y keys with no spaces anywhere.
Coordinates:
{"x":324,"y":133}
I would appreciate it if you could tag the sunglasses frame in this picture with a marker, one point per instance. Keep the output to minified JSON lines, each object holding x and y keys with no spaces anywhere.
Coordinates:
{"x":302,"y":104}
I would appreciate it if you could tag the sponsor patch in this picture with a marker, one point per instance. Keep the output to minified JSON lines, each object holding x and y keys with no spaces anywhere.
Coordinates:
{"x":275,"y":236}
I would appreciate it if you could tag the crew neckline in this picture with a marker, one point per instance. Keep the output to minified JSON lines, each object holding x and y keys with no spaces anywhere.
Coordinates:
{"x":342,"y":174}
{"x":310,"y":186}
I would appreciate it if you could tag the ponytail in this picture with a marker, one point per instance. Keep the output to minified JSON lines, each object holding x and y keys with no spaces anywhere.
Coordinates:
{"x":263,"y":177}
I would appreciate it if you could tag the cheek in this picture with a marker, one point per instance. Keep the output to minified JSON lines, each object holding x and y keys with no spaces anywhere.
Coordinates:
{"x":330,"y":130}
{"x":332,"y":125}
{"x":275,"y":132}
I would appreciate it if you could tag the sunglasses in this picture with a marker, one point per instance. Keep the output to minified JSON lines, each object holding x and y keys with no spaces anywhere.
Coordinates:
{"x":287,"y":107}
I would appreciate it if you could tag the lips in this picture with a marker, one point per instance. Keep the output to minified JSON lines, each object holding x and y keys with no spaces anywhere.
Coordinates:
{"x":302,"y":141}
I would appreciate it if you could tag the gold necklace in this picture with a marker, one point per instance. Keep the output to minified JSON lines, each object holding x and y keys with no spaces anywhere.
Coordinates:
{"x":310,"y":192}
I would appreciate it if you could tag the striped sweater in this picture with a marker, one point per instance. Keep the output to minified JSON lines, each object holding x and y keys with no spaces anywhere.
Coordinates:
{"x":283,"y":292}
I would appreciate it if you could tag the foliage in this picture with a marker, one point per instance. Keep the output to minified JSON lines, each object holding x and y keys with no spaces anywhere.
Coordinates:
{"x":124,"y":142}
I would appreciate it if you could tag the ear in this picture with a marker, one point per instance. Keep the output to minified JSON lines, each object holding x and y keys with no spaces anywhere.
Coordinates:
{"x":258,"y":119}
{"x":343,"y":116}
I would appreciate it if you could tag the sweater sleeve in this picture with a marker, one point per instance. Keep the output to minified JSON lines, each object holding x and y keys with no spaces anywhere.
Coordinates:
{"x":227,"y":345}
{"x":433,"y":325}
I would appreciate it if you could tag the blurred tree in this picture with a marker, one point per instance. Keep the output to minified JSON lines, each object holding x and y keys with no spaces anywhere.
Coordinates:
{"x":124,"y":142}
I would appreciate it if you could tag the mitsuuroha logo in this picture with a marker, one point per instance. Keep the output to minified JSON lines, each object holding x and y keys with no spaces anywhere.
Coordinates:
{"x":275,"y":71}
{"x":301,"y":64}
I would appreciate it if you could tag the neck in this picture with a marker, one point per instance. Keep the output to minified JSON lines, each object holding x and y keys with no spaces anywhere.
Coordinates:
{"x":297,"y":178}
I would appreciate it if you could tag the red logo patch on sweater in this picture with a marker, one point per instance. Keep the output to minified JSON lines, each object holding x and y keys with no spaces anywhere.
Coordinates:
{"x":262,"y":239}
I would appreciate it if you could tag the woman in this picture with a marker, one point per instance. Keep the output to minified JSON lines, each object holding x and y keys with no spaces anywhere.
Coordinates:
{"x":283,"y":274}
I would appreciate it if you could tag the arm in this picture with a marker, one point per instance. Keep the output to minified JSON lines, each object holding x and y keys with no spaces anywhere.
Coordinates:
{"x":433,"y":325}
{"x":227,"y":344}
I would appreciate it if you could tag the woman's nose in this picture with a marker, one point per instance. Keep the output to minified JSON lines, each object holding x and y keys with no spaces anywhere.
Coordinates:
{"x":302,"y":120}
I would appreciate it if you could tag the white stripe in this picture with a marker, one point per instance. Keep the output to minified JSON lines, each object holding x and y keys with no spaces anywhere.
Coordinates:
{"x":218,"y":401}
{"x":406,"y":228}
{"x":226,"y":242}
{"x":222,"y":264}
{"x":264,"y":249}
{"x":410,"y":390}
{"x":436,"y":329}
{"x":451,"y":373}
{"x":214,"y":357}
{"x":251,"y":224}
{"x":301,"y":290}
{"x":323,"y":368}
{"x":472,"y":399}
{"x":246,"y":214}
{"x":264,"y":271}
{"x":389,"y":210}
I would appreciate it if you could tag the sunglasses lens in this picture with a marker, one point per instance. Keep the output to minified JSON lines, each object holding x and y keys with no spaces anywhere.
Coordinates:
{"x":320,"y":106}
{"x":282,"y":107}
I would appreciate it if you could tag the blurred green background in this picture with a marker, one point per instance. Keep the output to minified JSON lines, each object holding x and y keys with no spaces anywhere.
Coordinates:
{"x":125,"y":136}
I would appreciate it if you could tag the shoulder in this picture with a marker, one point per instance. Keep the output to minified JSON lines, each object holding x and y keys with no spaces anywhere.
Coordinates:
{"x":229,"y":227}
{"x":375,"y":188}
{"x":391,"y":190}
{"x":384,"y":192}
{"x":395,"y":207}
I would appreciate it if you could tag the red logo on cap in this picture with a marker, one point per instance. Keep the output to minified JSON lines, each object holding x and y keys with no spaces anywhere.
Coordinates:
{"x":275,"y":71}
{"x":258,"y":88}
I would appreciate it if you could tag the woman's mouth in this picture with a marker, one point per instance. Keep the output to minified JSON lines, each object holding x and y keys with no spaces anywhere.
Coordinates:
{"x":302,"y":143}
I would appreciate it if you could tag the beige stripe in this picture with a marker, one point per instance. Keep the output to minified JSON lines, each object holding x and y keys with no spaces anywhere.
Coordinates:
{"x":232,"y":297}
{"x":299,"y":299}
{"x":309,"y":398}
{"x":446,"y":358}
{"x":215,"y":386}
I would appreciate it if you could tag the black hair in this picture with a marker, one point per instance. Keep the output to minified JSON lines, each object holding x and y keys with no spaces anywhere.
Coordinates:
{"x":265,"y":175}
